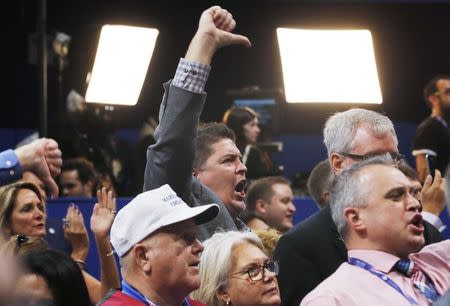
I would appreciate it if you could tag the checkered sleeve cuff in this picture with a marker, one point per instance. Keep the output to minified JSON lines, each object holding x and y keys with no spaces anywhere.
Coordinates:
{"x":191,"y":75}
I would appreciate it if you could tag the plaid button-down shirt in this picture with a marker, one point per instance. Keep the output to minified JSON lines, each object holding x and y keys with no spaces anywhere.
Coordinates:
{"x":191,"y":75}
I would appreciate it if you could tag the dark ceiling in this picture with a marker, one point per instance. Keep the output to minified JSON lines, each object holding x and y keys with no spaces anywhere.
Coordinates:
{"x":411,"y":43}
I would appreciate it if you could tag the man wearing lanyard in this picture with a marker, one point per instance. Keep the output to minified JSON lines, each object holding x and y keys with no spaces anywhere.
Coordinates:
{"x":313,"y":250}
{"x":379,"y":219}
{"x":155,"y":238}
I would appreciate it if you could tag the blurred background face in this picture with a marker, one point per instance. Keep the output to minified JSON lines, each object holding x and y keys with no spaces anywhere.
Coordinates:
{"x":241,"y":290}
{"x":7,"y":276}
{"x":251,"y":130}
{"x":365,"y":142}
{"x":443,"y":94}
{"x":32,"y":289}
{"x":28,"y":215}
{"x":281,"y":209}
{"x":71,"y":185}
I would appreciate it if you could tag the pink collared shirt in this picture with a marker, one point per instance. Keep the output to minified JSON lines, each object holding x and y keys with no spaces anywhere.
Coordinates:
{"x":352,"y":285}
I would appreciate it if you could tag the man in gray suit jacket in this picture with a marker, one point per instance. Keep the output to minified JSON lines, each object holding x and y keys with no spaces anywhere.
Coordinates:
{"x":202,"y":166}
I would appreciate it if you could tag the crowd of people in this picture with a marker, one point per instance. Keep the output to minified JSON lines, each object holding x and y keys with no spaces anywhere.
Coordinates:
{"x":214,"y":223}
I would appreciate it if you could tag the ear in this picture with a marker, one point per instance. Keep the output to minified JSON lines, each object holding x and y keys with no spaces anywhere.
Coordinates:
{"x":336,"y":161}
{"x":433,"y":100}
{"x":325,"y":197}
{"x":195,"y":172}
{"x":261,"y":206}
{"x":353,"y":217}
{"x":222,"y":294}
{"x":141,"y":257}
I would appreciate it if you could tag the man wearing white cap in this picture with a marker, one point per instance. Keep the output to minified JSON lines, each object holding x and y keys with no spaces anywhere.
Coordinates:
{"x":155,"y":237}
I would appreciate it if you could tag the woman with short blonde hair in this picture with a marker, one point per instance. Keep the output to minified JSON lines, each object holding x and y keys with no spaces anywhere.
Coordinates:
{"x":235,"y":270}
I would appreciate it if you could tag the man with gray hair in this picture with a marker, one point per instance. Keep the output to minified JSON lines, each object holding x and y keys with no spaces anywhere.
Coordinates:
{"x":375,"y":211}
{"x":312,"y":250}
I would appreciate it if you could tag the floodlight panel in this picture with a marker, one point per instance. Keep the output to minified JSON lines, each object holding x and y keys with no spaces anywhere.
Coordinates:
{"x":328,"y":66}
{"x":121,"y":63}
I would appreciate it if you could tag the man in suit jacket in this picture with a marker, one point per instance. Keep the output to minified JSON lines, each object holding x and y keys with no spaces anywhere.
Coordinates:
{"x":202,"y":166}
{"x":374,"y":208}
{"x":313,"y":250}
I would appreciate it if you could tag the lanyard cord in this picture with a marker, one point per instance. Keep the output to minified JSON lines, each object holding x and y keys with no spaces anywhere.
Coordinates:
{"x":364,"y":265}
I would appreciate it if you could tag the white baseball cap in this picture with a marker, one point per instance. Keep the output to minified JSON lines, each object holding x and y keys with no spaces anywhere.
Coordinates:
{"x":150,"y":211}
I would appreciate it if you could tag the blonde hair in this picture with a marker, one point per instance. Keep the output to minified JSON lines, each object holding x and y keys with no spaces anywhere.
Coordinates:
{"x":269,"y":239}
{"x":8,"y":196}
{"x":215,"y":264}
{"x":21,"y":244}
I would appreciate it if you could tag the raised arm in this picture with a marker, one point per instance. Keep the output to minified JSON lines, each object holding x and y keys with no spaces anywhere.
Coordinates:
{"x":433,"y":199}
{"x":169,"y":160}
{"x":76,"y":233}
{"x":42,"y":157}
{"x":101,"y":222}
{"x":214,"y":32}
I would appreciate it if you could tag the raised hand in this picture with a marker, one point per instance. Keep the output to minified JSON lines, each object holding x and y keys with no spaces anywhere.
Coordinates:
{"x":433,"y":194}
{"x":214,"y":31}
{"x":219,"y":23}
{"x":76,"y":233}
{"x":53,"y":157}
{"x":103,"y":213}
{"x":101,"y":221}
{"x":43,"y":158}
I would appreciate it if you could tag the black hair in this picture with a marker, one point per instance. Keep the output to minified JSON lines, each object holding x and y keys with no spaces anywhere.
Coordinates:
{"x":431,"y":87}
{"x":235,"y":118}
{"x":62,"y":275}
{"x":85,"y":169}
{"x":207,"y":135}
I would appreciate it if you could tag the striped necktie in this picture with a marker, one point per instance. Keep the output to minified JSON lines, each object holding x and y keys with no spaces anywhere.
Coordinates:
{"x":420,"y":280}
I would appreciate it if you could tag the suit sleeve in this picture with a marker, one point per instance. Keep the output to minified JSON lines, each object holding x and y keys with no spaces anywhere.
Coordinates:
{"x":298,"y":274}
{"x":431,"y":234}
{"x":170,"y":159}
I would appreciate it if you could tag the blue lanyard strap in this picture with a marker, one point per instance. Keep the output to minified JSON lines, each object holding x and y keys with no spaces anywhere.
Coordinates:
{"x":364,"y":265}
{"x":134,"y":293}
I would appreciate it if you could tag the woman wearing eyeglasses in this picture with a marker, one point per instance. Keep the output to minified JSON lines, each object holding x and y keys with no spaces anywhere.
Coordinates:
{"x":234,"y":270}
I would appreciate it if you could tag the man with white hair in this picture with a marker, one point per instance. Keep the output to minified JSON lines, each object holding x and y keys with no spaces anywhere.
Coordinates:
{"x":313,"y":249}
{"x":155,"y":237}
{"x":376,"y":213}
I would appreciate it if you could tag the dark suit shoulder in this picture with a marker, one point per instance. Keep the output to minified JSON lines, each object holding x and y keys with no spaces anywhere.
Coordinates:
{"x":431,"y":234}
{"x":318,"y":224}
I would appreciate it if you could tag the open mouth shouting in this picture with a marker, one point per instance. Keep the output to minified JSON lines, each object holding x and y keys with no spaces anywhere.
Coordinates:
{"x":417,"y":223}
{"x":240,"y":189}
